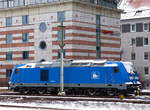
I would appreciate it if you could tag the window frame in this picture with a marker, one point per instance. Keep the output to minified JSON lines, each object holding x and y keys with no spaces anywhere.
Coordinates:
{"x":8,"y":21}
{"x":146,"y":70}
{"x":146,"y":43}
{"x":133,"y":56}
{"x":138,"y":40}
{"x":146,"y":30}
{"x":8,"y":73}
{"x":25,"y":37}
{"x":9,"y":56}
{"x":133,"y":41}
{"x":146,"y":56}
{"x":61,"y":16}
{"x":132,"y":27}
{"x":60,"y":33}
{"x":25,"y":19}
{"x":9,"y":38}
{"x":25,"y":55}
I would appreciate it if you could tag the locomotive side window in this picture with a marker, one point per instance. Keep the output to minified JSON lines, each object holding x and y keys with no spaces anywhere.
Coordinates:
{"x":16,"y":71}
{"x":75,"y":64}
{"x":98,"y":64}
{"x":44,"y":75}
{"x":80,"y":64}
{"x":116,"y":69}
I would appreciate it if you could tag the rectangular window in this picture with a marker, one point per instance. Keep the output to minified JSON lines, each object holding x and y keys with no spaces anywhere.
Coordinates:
{"x":10,"y":3}
{"x":8,"y":72}
{"x":146,"y":70}
{"x":8,"y":38}
{"x":133,"y":56}
{"x":125,"y":28}
{"x":133,"y":41}
{"x":145,"y":55}
{"x":25,"y":55}
{"x":60,"y":16}
{"x":139,"y":27}
{"x":139,"y":41}
{"x":145,"y":41}
{"x":25,"y":19}
{"x":8,"y":21}
{"x":44,"y":75}
{"x":8,"y":55}
{"x":25,"y":37}
{"x":61,"y":33}
{"x":146,"y":27}
{"x":133,"y":27}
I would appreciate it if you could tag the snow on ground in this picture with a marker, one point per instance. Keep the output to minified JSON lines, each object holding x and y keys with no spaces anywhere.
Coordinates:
{"x":82,"y":105}
{"x":1,"y":88}
{"x":146,"y":90}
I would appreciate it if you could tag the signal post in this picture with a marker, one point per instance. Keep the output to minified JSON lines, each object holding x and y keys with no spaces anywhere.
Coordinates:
{"x":61,"y":45}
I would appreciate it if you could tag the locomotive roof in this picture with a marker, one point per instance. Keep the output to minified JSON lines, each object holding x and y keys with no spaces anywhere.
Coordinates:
{"x":89,"y":61}
{"x":70,"y":63}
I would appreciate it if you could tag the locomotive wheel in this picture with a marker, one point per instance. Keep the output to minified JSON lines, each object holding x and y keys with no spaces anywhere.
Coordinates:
{"x":41,"y":91}
{"x":25,"y":91}
{"x":111,"y":92}
{"x":92,"y":92}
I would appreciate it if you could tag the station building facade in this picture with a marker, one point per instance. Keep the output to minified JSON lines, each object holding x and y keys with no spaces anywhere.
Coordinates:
{"x":30,"y":32}
{"x":135,"y":42}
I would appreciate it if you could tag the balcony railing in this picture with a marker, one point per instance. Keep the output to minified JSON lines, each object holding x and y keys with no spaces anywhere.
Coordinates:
{"x":19,"y":3}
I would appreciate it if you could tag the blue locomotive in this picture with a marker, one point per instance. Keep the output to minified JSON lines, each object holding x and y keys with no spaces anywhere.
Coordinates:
{"x":93,"y":77}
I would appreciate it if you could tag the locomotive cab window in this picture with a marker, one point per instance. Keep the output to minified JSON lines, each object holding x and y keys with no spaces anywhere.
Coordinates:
{"x":16,"y":71}
{"x":116,"y":69}
{"x":44,"y":75}
{"x":75,"y":64}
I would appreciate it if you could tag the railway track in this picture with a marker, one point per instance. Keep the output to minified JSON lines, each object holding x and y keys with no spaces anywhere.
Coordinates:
{"x":49,"y":102}
{"x":47,"y":98}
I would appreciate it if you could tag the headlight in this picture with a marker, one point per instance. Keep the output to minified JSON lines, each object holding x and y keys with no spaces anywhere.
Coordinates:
{"x":136,"y":78}
{"x":9,"y":82}
{"x":131,"y":77}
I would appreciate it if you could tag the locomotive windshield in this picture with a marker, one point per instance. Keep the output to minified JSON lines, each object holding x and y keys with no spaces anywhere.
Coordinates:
{"x":129,"y":67}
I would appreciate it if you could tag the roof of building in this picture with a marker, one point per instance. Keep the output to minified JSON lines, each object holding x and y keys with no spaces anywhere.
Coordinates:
{"x":136,"y":14}
{"x":132,"y":12}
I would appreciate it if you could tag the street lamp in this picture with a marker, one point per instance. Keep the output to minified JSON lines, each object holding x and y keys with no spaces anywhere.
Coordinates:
{"x":61,"y":45}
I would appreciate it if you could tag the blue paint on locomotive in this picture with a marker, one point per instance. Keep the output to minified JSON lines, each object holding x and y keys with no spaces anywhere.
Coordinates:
{"x":74,"y":75}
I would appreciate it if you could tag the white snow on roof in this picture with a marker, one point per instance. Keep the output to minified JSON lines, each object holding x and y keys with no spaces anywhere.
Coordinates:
{"x":46,"y":62}
{"x":132,"y":13}
{"x":110,"y":65}
{"x":29,"y":65}
{"x":136,"y":14}
{"x":89,"y":61}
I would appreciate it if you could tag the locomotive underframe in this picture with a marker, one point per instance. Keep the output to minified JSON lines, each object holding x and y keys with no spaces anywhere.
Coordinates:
{"x":90,"y":89}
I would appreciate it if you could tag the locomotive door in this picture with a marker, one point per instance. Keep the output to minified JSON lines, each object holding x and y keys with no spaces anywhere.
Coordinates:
{"x":44,"y":75}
